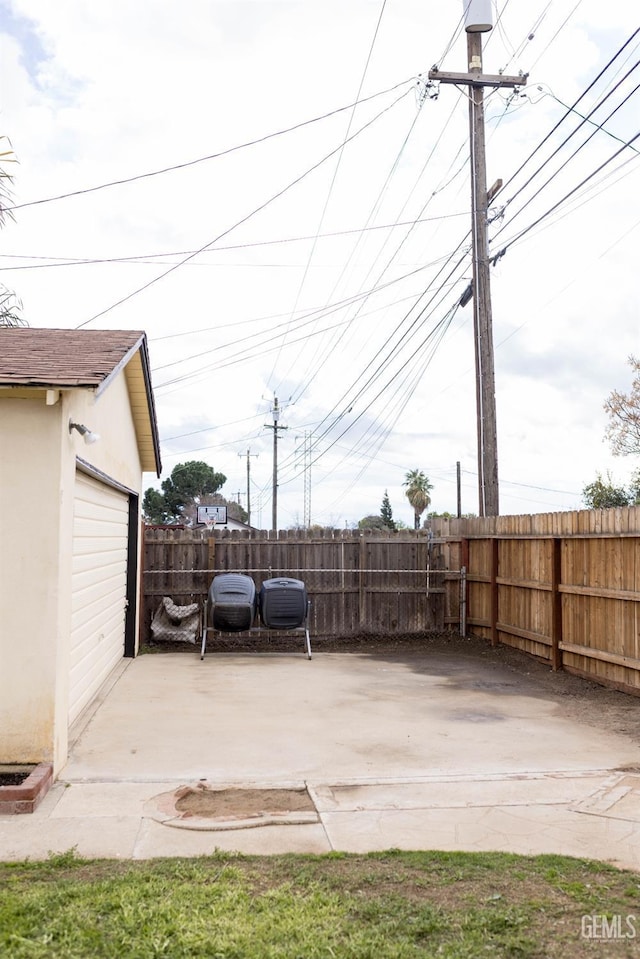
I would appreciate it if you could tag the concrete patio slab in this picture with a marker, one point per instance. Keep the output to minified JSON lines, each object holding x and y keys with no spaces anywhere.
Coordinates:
{"x":256,"y":718}
{"x":528,"y":830}
{"x":460,"y":792}
{"x":426,"y":750}
{"x":87,"y":800}
{"x":109,"y":837}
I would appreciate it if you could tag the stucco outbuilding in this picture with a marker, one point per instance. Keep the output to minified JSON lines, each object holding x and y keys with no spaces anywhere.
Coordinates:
{"x":70,"y":520}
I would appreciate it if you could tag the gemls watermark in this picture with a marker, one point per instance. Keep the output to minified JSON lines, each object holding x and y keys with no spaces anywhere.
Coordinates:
{"x":607,"y":928}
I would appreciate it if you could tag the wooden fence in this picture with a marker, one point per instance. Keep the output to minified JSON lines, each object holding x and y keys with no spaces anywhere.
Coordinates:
{"x":359,"y":582}
{"x":564,"y":587}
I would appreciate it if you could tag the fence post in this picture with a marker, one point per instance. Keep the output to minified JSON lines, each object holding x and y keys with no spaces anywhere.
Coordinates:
{"x":211,"y":556}
{"x":142,"y":605}
{"x":362,"y":606}
{"x":556,"y":604}
{"x":343,"y":616}
{"x":463,"y":601}
{"x":495,"y":544}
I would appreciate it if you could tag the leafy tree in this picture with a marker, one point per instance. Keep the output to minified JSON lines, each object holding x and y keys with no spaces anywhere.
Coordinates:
{"x":623,"y":431}
{"x":634,"y":489}
{"x":386,"y":512}
{"x":603,"y":494}
{"x":154,"y":508}
{"x":372,"y":522}
{"x":186,"y":486}
{"x":418,"y":489}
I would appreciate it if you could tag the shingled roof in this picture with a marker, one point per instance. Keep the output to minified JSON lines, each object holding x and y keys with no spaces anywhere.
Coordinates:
{"x":85,"y":359}
{"x":59,"y":358}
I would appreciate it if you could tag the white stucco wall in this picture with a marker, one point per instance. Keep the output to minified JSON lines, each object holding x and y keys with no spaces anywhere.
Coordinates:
{"x":30,"y":493}
{"x":37,"y":478}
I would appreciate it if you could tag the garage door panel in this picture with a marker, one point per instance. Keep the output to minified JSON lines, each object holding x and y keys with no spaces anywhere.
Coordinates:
{"x":99,"y":584}
{"x":84,"y":685}
{"x":97,"y":594}
{"x":105,"y":529}
{"x":90,"y":622}
{"x":94,"y":548}
{"x":87,"y":656}
{"x":101,"y":532}
{"x":106,"y":647}
{"x":87,"y":577}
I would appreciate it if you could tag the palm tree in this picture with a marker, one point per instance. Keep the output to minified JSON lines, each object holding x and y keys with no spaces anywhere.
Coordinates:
{"x":417,"y":492}
{"x":10,"y":307}
{"x":6,"y":156}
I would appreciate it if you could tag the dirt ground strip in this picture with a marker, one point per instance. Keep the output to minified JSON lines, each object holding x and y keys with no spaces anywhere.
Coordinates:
{"x":242,"y":803}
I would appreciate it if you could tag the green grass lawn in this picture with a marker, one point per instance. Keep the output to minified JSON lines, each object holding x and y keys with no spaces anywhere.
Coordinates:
{"x":381,"y":906}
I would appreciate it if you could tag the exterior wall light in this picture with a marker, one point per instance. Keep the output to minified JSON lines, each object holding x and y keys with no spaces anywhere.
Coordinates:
{"x":84,"y":432}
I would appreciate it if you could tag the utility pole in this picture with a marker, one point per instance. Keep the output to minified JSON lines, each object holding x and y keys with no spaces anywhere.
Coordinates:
{"x":249,"y":454}
{"x":275,"y":427}
{"x":478,"y":21}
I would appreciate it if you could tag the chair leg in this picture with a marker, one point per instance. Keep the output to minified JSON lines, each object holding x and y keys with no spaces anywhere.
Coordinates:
{"x":205,"y":626}
{"x":306,"y":631}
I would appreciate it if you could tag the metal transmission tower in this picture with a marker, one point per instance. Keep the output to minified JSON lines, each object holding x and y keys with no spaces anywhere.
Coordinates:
{"x":478,"y":21}
{"x":306,"y":468}
{"x":307,"y":480}
{"x":275,"y":426}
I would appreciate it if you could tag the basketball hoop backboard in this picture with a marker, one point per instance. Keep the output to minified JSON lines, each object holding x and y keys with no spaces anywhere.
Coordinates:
{"x":210,"y":515}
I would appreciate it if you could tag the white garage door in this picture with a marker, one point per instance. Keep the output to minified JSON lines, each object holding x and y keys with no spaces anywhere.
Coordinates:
{"x":100,"y":533}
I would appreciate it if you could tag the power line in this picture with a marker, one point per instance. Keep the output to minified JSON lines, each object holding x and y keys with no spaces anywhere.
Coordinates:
{"x":404,"y":372}
{"x":567,"y":196}
{"x":569,"y":109}
{"x":389,"y":352}
{"x":556,"y":34}
{"x":211,"y":156}
{"x":257,"y":345}
{"x":333,"y":182}
{"x":562,"y":168}
{"x":333,"y":344}
{"x":385,"y":351}
{"x":244,"y":219}
{"x":147,"y":259}
{"x":335,"y":341}
{"x":598,"y":126}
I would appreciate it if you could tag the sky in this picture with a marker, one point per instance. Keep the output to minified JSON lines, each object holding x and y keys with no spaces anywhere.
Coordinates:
{"x":274,"y":192}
